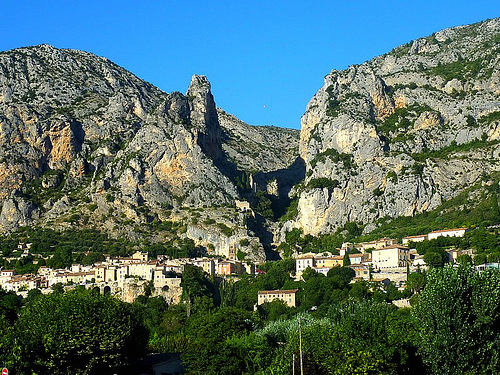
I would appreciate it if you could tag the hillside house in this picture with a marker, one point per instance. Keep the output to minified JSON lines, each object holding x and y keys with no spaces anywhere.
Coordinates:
{"x":229,"y":267}
{"x":376,"y":244}
{"x":359,"y":258}
{"x":208,"y":265}
{"x":7,"y":273}
{"x":141,"y":256}
{"x":361,"y":271}
{"x":419,"y":238}
{"x":287,"y":296}
{"x":303,"y":261}
{"x":458,"y":232}
{"x":110,"y":273}
{"x":328,"y":261}
{"x":390,"y":257}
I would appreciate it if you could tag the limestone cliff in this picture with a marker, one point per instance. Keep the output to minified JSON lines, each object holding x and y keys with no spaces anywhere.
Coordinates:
{"x":403,"y":132}
{"x":83,"y":142}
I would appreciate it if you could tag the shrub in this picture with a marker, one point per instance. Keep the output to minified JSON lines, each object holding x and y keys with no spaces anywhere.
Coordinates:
{"x":323,"y":182}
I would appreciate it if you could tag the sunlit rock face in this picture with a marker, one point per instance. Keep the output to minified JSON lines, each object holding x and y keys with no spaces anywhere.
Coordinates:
{"x":86,"y":144}
{"x":374,"y":130}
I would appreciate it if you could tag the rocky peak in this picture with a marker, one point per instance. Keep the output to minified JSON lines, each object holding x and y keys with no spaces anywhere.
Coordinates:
{"x":401,"y":133}
{"x":85,"y":143}
{"x":203,"y":117}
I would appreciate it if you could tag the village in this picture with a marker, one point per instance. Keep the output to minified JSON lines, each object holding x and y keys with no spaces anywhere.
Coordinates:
{"x":383,"y":260}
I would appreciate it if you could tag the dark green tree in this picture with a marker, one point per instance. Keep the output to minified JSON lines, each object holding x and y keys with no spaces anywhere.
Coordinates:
{"x":208,"y":332}
{"x":434,"y":259}
{"x":308,"y":274}
{"x":480,"y":259}
{"x":359,"y":290}
{"x":458,"y":320}
{"x":341,"y":275}
{"x":346,"y":261}
{"x":464,"y":259}
{"x":415,"y":282}
{"x":77,"y":333}
{"x":197,"y":289}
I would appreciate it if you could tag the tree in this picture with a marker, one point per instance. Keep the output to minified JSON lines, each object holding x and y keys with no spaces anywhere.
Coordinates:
{"x":346,"y":261}
{"x":208,"y":332}
{"x":464,"y":259}
{"x":275,"y":310}
{"x":195,"y":285}
{"x":458,"y":316}
{"x":10,"y":306}
{"x":77,"y":333}
{"x":415,"y":282}
{"x":309,"y":273}
{"x":341,"y":275}
{"x":433,"y":259}
{"x":480,"y":259}
{"x":359,"y":290}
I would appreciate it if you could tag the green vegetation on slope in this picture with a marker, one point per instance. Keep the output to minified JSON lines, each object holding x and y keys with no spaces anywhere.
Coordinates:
{"x":86,"y":246}
{"x":338,"y":328}
{"x":475,"y":206}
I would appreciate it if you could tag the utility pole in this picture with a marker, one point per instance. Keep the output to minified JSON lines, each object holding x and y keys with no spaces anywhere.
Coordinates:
{"x":300,"y":349}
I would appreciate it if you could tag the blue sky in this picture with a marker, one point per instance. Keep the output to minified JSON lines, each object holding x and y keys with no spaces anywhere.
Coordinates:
{"x":265,"y":59}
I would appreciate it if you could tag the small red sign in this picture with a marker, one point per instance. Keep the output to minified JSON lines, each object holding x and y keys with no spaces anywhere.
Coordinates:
{"x":5,"y":372}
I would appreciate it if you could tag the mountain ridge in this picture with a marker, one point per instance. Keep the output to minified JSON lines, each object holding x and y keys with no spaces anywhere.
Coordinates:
{"x":92,"y":144}
{"x":365,"y":131}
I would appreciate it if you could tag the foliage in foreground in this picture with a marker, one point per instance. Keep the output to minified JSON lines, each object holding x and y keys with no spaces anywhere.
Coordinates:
{"x":458,"y":315}
{"x":453,"y":327}
{"x":76,"y":332}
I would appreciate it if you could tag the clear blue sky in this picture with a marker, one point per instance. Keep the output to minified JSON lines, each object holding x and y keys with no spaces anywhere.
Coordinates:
{"x":265,"y":59}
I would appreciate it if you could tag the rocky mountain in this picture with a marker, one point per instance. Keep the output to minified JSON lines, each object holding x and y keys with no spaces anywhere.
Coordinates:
{"x":403,"y":132}
{"x":84,"y":142}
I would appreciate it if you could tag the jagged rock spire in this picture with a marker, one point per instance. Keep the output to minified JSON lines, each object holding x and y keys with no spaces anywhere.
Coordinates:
{"x":203,"y":117}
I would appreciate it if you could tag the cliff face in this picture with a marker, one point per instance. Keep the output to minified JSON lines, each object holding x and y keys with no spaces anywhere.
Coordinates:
{"x":85,"y":142}
{"x":78,"y":123}
{"x":258,"y":148}
{"x":403,"y":132}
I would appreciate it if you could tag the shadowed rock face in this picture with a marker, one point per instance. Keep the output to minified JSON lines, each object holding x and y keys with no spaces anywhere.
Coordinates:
{"x":371,"y":129}
{"x":108,"y":132}
{"x":85,"y":142}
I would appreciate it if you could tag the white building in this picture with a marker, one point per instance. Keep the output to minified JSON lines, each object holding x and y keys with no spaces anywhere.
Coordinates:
{"x":303,"y":261}
{"x":208,"y":265}
{"x":418,"y":238}
{"x":458,"y":232}
{"x":390,"y":257}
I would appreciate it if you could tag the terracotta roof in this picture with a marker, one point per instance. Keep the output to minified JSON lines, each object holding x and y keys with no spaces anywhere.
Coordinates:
{"x":278,"y":291}
{"x":393,"y":247}
{"x":448,"y":230}
{"x":379,"y":279}
{"x":304,"y":256}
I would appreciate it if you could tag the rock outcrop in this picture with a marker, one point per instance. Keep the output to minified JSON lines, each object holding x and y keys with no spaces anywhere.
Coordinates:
{"x":403,"y":132}
{"x":85,"y":142}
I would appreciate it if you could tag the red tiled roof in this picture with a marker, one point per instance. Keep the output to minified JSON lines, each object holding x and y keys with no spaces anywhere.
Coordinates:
{"x":278,"y":291}
{"x":448,"y":230}
{"x":417,"y":236}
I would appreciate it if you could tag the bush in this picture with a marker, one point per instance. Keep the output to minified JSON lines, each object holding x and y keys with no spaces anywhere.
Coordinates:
{"x":78,"y":332}
{"x":323,"y":182}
